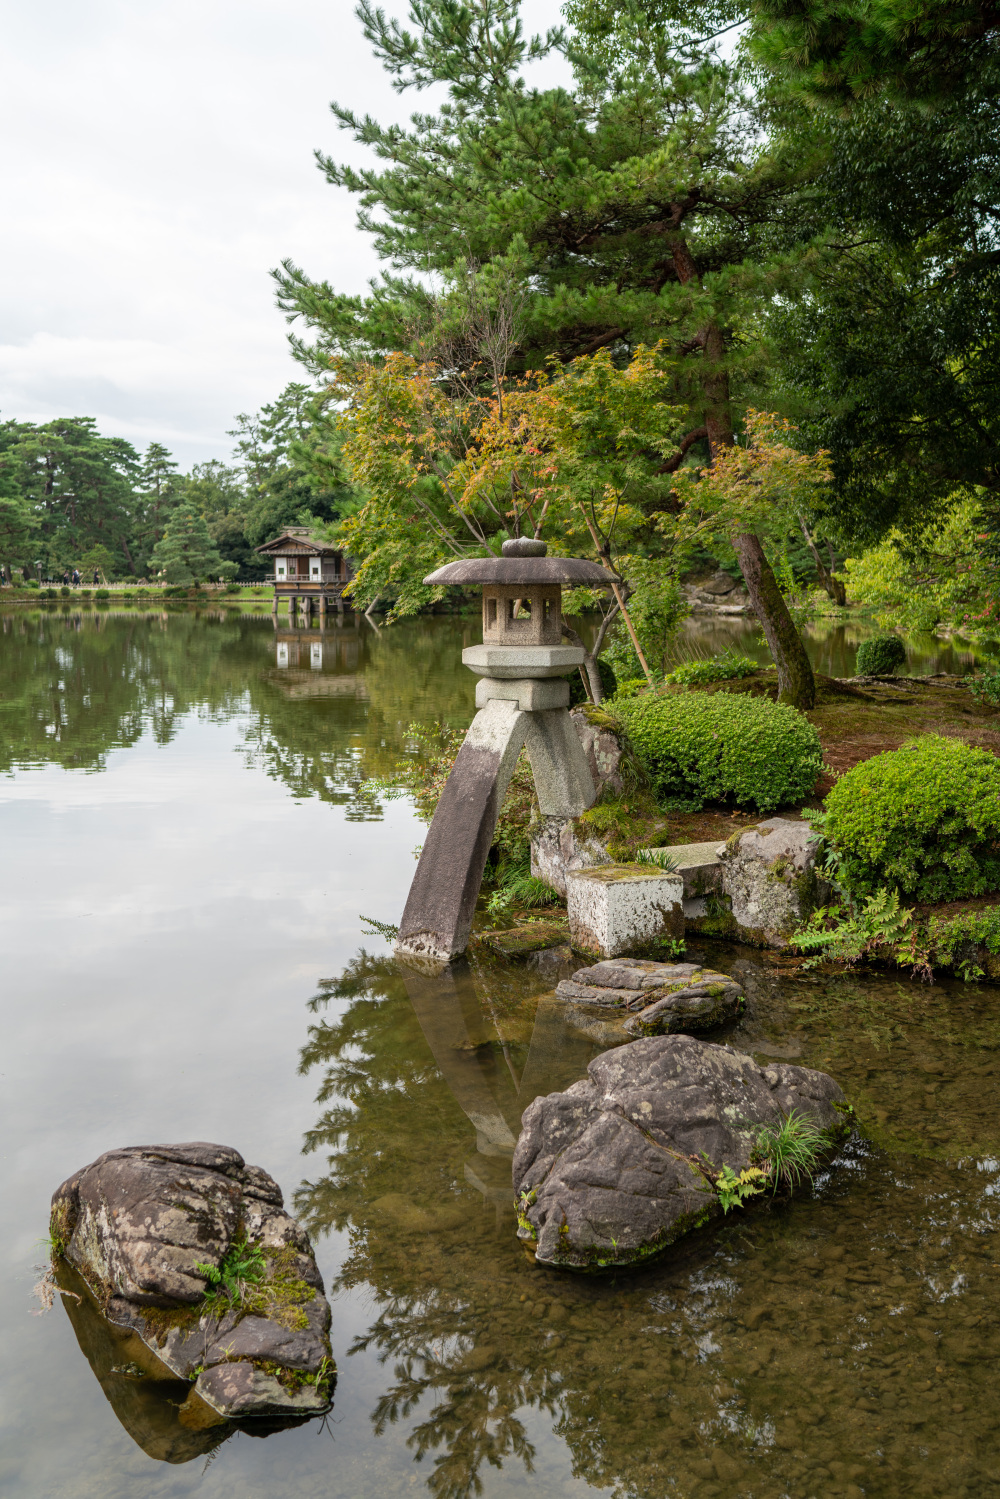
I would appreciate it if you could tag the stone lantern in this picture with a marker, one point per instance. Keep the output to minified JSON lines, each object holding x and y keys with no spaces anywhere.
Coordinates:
{"x":522,"y":698}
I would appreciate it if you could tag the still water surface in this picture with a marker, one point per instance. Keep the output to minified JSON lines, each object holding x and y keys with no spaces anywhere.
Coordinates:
{"x":187,"y":846}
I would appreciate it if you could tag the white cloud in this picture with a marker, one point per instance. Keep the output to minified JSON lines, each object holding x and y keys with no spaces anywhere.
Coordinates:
{"x":158,"y":164}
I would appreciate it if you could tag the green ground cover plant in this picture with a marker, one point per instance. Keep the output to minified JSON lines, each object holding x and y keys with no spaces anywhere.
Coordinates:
{"x":923,"y":819}
{"x":880,"y":656}
{"x":697,"y":748}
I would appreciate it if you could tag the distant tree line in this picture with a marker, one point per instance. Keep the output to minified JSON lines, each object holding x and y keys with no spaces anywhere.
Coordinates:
{"x":72,"y":498}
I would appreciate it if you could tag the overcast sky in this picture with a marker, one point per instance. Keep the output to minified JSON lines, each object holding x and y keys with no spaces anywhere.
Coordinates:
{"x":158,"y":165}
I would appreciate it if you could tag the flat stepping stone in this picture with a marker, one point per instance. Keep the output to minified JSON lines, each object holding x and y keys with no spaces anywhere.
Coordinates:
{"x":529,"y":937}
{"x":698,"y":865}
{"x":661,"y":998}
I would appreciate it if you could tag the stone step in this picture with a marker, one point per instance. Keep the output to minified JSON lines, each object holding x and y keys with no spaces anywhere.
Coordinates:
{"x":700,"y":867}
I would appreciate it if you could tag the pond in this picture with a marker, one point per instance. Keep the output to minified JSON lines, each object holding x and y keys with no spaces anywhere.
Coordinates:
{"x":189,"y":844}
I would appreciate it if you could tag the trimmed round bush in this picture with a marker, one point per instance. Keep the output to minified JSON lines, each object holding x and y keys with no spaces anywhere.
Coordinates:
{"x":923,"y":819}
{"x":698,"y":748}
{"x":102,"y":593}
{"x":881,"y":656}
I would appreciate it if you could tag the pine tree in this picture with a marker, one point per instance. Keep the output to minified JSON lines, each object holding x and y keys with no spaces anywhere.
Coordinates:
{"x":80,"y":487}
{"x":923,"y":51}
{"x":186,"y":553}
{"x":640,"y":207}
{"x":161,"y":489}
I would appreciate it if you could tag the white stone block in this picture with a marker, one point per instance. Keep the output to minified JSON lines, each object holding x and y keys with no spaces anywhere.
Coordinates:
{"x":619,"y":908}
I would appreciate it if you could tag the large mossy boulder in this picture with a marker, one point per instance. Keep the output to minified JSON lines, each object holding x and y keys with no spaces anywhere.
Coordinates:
{"x":769,"y":878}
{"x":191,"y":1249}
{"x":621,"y":1164}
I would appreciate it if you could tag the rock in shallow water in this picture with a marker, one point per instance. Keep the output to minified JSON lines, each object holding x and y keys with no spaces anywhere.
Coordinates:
{"x":604,"y":1173}
{"x":141,"y":1225}
{"x":662,"y":998}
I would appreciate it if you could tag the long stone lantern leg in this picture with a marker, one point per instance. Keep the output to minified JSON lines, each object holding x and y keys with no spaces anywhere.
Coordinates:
{"x":523,"y":702}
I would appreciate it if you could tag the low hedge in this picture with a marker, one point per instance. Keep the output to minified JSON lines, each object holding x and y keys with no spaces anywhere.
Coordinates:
{"x":697,"y":748}
{"x":924,"y":819}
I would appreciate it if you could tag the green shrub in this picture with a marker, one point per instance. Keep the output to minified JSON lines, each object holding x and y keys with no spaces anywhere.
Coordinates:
{"x":49,"y":593}
{"x":986,"y":687}
{"x":233,"y":588}
{"x":697,"y":748}
{"x":102,"y":593}
{"x":924,"y":819}
{"x":65,"y":591}
{"x":716,"y":669}
{"x":32,"y":583}
{"x":85,"y":593}
{"x":881,"y":656}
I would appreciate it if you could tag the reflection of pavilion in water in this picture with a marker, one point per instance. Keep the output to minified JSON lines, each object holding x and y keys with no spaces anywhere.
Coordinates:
{"x":319,"y":662}
{"x":477,"y":1062}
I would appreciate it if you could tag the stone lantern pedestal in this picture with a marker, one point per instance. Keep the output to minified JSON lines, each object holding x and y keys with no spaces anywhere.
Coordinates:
{"x":522,"y":698}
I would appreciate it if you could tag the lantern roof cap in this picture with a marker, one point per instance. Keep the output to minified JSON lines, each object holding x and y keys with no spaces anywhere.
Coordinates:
{"x":523,"y":561}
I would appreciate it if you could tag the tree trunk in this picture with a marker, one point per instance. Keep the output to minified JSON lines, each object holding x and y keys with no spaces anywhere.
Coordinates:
{"x":795,"y":679}
{"x":796,"y":684}
{"x":589,"y":672}
{"x":833,"y":586}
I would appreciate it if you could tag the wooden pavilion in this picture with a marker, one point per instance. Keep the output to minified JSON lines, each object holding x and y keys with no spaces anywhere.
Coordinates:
{"x":308,"y":572}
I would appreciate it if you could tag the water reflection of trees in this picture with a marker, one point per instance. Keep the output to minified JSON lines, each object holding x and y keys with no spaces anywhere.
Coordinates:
{"x":75,"y":686}
{"x":803,"y":1349}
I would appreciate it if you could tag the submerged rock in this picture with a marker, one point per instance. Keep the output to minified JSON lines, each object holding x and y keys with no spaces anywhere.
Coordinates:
{"x":191,"y":1249}
{"x":661,"y":998}
{"x":613,"y":1169}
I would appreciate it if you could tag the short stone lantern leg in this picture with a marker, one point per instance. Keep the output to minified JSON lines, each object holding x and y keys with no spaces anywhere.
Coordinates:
{"x":522,"y":698}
